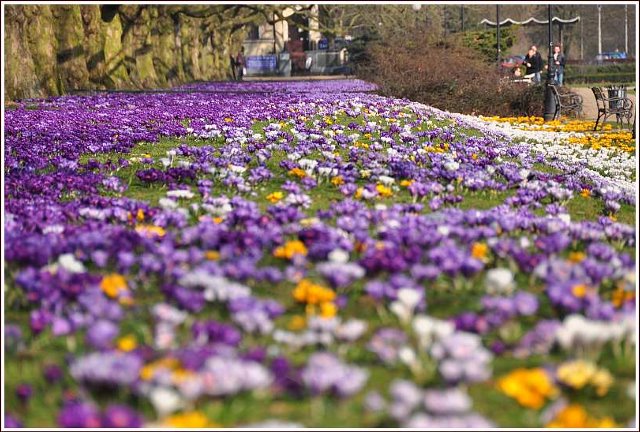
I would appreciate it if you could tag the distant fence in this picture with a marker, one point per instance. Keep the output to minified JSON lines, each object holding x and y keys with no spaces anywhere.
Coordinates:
{"x":327,"y":62}
{"x":316,"y":62}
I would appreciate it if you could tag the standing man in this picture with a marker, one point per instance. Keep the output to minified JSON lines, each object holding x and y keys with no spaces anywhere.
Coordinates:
{"x":533,"y":62}
{"x":240,"y":64}
{"x":538,"y":63}
{"x":558,"y":65}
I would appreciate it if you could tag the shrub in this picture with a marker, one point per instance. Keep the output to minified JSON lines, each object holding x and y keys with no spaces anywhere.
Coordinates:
{"x":615,"y":77}
{"x":446,"y":75}
{"x":484,"y":41}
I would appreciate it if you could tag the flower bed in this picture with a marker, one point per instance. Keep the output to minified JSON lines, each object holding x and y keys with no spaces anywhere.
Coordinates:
{"x":311,"y":258}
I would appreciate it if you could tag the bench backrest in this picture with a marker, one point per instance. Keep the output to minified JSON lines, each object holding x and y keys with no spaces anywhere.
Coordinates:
{"x":600,"y":98}
{"x":556,"y":95}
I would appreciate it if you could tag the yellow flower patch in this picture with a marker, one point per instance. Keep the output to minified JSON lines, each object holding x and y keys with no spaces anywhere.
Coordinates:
{"x":621,"y":296}
{"x":290,"y":248}
{"x":575,"y":416}
{"x":309,"y":292}
{"x":579,"y":290}
{"x":616,"y":140}
{"x":297,"y":172}
{"x":384,"y":191}
{"x":212,"y":255}
{"x":127,"y":343}
{"x":605,"y":138}
{"x":479,"y":251}
{"x":274,"y":197}
{"x":576,"y":257}
{"x":578,"y":374}
{"x":191,"y":420}
{"x":113,"y":284}
{"x":328,"y":310}
{"x":530,"y":387}
{"x":297,"y":322}
{"x":150,"y":231}
{"x":317,"y":298}
{"x":167,"y":363}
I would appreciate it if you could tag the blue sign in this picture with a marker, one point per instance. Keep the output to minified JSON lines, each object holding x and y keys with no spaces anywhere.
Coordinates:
{"x":263,"y":63}
{"x":323,"y":44}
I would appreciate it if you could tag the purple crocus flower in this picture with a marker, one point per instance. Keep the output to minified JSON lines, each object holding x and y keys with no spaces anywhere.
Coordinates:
{"x":525,"y":303}
{"x":12,"y":336}
{"x":78,"y":414}
{"x":38,"y":320}
{"x":286,"y":377}
{"x":108,"y":369}
{"x":121,"y":416}
{"x":447,"y":401}
{"x":326,"y":373}
{"x":386,"y":344}
{"x":24,"y":392}
{"x":52,"y":373}
{"x":11,"y":421}
{"x":101,"y":334}
{"x":214,"y":332}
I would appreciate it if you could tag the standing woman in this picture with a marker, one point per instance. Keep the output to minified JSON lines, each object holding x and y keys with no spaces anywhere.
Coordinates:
{"x":240,"y":64}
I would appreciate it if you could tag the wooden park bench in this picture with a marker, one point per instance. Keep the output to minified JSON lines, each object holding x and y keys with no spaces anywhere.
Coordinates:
{"x":567,"y":103}
{"x":620,"y":106}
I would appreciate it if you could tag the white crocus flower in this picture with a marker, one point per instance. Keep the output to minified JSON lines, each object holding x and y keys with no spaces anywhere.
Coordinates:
{"x":499,"y":281}
{"x":451,"y":165}
{"x":70,"y":263}
{"x":180,"y":193}
{"x":386,"y":180}
{"x":168,"y":204}
{"x":430,"y":329}
{"x":407,"y":356}
{"x":165,"y":401}
{"x":339,"y":256}
{"x":406,"y":303}
{"x":237,"y":169}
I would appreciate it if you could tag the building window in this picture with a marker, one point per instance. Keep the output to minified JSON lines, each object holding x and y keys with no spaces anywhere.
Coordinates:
{"x":254,"y":32}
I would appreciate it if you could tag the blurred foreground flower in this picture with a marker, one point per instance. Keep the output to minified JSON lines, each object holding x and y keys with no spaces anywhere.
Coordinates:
{"x":579,"y":373}
{"x":575,"y":416}
{"x":530,"y":387}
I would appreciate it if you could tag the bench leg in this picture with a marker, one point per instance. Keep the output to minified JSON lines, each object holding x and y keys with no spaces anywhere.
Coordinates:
{"x":595,"y":128}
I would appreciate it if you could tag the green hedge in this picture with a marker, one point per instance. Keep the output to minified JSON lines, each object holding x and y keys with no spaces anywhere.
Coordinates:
{"x":617,"y":77}
{"x":586,"y":69}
